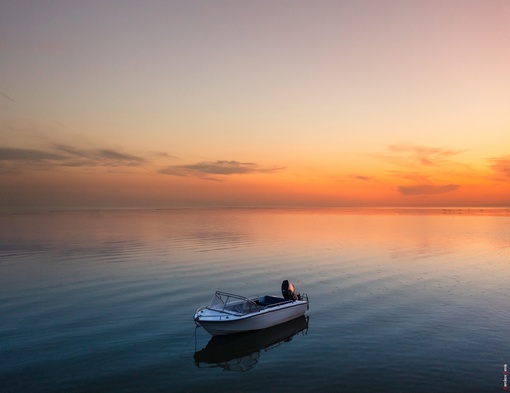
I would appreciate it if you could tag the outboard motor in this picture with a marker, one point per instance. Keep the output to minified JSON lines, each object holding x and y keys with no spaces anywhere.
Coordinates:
{"x":289,"y":292}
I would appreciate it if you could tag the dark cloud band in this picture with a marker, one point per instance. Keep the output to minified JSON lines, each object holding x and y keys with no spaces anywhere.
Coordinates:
{"x":223,"y":168}
{"x":427,"y":189}
{"x":64,"y":155}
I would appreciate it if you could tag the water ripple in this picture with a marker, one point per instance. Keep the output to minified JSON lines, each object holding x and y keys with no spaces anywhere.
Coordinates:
{"x":398,"y":301}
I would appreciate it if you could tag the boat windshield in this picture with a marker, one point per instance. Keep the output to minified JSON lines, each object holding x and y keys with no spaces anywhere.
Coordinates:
{"x":233,"y":304}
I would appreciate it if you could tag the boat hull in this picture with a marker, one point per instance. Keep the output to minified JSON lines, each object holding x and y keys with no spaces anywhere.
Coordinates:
{"x":239,"y":352}
{"x":217,"y":323}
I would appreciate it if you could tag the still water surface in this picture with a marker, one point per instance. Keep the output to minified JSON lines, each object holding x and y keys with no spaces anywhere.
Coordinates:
{"x":399,"y":300}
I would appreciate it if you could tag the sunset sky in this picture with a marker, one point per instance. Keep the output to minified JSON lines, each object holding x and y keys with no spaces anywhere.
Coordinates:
{"x":254,"y":103}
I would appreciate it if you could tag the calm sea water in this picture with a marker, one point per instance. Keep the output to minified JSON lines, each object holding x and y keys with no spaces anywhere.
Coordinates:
{"x":400,"y":300}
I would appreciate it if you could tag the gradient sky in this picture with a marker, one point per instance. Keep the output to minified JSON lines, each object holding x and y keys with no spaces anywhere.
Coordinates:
{"x":254,"y":103}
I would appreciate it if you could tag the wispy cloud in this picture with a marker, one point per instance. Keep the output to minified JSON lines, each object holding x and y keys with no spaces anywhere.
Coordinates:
{"x":415,"y":156}
{"x":14,"y":160}
{"x":27,"y":155}
{"x":418,"y":156}
{"x":6,"y":96}
{"x":361,"y":177}
{"x":354,"y":177}
{"x":427,"y":189}
{"x":161,"y":154}
{"x":425,"y":167}
{"x":501,"y":166}
{"x":217,"y":168}
{"x":98,"y":157}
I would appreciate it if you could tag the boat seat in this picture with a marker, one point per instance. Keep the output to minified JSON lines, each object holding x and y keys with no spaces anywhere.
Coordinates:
{"x":269,"y":300}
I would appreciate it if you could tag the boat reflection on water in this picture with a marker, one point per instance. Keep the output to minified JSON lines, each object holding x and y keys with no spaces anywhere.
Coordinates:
{"x":240,"y":352}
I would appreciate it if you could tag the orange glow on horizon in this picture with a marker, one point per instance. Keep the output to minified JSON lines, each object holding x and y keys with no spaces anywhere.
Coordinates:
{"x":142,"y":188}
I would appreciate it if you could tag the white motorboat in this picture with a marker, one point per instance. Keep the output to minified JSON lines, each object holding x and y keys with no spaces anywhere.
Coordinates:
{"x":228,"y":313}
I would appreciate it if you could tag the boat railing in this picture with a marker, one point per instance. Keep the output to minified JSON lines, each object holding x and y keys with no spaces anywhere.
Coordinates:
{"x":304,"y":297}
{"x":233,"y":304}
